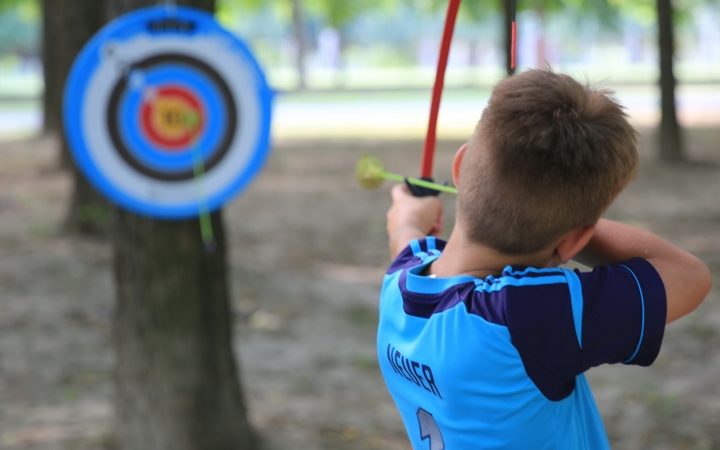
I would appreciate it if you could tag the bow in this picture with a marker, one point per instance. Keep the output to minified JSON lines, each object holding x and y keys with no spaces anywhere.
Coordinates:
{"x":431,"y":136}
{"x":370,"y":172}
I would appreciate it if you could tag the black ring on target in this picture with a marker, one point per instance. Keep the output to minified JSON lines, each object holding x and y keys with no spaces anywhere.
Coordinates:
{"x":114,"y":106}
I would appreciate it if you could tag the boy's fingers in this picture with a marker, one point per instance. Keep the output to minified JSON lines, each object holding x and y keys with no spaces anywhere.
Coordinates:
{"x":399,"y":191}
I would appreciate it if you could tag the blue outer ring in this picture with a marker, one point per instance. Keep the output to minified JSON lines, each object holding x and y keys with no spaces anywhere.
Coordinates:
{"x":126,"y":27}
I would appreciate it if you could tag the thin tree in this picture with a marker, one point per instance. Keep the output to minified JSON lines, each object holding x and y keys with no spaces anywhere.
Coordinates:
{"x":670,"y":139}
{"x":298,"y":22}
{"x":670,"y":146}
{"x":177,"y":382}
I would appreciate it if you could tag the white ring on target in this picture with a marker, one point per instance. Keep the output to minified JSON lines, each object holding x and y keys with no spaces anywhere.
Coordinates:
{"x":104,"y":141}
{"x":213,"y":51}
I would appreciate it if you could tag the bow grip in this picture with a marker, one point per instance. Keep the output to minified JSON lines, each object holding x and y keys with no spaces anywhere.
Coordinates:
{"x":420,"y":191}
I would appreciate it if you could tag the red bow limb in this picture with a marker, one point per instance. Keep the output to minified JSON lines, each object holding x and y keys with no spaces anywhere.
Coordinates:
{"x":431,"y":137}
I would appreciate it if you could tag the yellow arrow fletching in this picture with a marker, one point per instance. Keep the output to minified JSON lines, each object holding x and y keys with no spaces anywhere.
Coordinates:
{"x":369,"y":172}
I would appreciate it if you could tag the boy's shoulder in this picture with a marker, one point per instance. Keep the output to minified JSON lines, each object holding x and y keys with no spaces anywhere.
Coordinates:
{"x":561,"y":321}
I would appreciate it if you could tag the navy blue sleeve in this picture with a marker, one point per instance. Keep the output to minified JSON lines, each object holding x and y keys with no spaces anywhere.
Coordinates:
{"x":414,"y":254}
{"x":616,"y":313}
{"x":624,"y":314}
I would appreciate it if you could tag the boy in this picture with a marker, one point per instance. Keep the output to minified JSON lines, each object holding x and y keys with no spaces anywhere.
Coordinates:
{"x":483,"y":340}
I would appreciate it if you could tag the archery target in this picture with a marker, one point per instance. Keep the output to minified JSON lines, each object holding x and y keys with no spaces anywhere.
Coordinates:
{"x":167,"y":113}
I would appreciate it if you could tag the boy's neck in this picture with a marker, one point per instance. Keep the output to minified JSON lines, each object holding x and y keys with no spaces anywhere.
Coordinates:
{"x":464,"y":257}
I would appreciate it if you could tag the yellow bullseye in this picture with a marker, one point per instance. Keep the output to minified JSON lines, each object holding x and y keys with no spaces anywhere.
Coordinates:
{"x":170,"y":117}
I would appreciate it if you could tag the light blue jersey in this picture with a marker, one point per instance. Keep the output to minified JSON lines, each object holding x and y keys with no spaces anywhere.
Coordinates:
{"x":498,"y":363}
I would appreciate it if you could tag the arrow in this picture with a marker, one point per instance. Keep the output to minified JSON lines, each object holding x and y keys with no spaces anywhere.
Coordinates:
{"x":370,"y":174}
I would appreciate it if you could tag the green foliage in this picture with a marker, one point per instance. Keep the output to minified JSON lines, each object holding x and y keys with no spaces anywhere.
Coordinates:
{"x":338,"y":13}
{"x":232,"y":12}
{"x":334,"y":13}
{"x":477,"y":10}
{"x":472,"y":10}
{"x":19,"y":26}
{"x":235,"y":7}
{"x":28,"y":10}
{"x":645,"y":12}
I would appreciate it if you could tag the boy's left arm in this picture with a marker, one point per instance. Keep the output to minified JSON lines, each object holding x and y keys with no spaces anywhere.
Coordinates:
{"x":411,"y":218}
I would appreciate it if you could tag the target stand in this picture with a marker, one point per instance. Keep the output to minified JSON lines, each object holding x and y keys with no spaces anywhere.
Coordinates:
{"x":167,"y":113}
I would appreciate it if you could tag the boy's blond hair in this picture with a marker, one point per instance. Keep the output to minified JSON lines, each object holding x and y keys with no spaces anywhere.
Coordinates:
{"x":548,"y":155}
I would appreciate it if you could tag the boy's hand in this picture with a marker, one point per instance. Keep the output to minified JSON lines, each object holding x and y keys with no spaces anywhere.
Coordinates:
{"x":412,"y":218}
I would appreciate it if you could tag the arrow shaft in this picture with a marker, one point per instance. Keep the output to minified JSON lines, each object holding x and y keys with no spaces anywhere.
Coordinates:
{"x":419,"y":182}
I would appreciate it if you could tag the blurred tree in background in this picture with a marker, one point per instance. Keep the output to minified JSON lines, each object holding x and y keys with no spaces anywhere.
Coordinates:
{"x":282,"y":9}
{"x":602,"y":10}
{"x":663,"y":13}
{"x":176,"y":379}
{"x":670,"y":139}
{"x":338,"y":14}
{"x":477,"y":11}
{"x":67,"y":26}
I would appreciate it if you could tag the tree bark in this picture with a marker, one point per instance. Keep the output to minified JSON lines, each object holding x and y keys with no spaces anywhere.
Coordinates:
{"x":52,"y":99}
{"x":300,"y":43}
{"x":90,"y":212}
{"x":670,"y":139}
{"x":67,"y":26}
{"x":177,"y":382}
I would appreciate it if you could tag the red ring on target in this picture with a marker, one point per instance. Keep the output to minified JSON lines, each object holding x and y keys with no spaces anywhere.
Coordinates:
{"x":172,"y":117}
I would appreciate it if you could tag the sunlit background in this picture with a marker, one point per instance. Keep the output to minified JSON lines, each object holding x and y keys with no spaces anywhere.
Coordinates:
{"x":367,"y":66}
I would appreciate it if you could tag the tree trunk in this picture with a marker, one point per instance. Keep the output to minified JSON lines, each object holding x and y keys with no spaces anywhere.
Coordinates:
{"x":67,"y":26}
{"x":177,"y":382}
{"x":90,"y":213}
{"x":670,"y":139}
{"x":52,"y":99}
{"x":300,"y":43}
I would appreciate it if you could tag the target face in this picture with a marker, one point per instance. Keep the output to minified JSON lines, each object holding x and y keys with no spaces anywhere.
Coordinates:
{"x":167,"y":113}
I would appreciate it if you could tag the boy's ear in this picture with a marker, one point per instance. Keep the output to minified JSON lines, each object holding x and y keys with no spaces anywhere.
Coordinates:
{"x":457,"y":162}
{"x":573,"y":242}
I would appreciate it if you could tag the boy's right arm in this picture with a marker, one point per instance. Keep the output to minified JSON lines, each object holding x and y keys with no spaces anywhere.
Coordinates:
{"x":686,"y":279}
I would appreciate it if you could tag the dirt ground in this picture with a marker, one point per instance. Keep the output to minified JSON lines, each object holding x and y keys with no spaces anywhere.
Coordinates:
{"x":308,"y":254}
